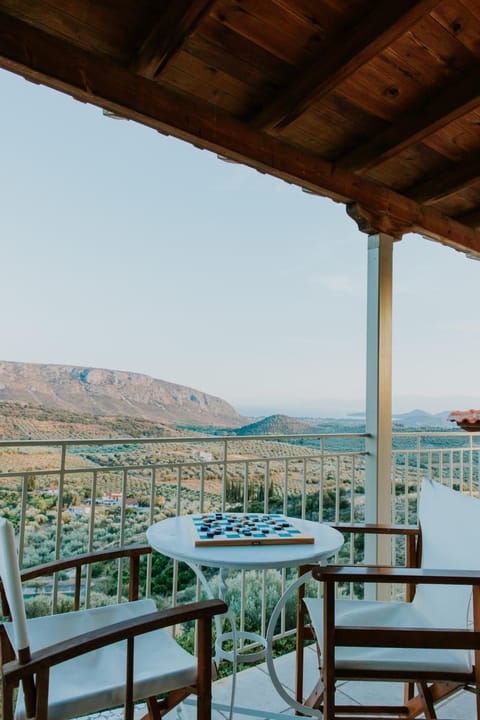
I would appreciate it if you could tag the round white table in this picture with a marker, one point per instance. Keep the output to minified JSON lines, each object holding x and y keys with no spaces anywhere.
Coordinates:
{"x":173,"y":537}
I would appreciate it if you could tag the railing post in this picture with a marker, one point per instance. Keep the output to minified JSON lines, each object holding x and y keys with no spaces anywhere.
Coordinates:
{"x":23,"y":519}
{"x":224,"y":475}
{"x":91,"y":536}
{"x":379,"y":393}
{"x":123,"y":520}
{"x":58,"y":532}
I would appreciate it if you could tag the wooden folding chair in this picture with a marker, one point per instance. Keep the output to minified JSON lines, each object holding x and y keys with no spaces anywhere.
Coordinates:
{"x":431,"y":641}
{"x":78,"y":663}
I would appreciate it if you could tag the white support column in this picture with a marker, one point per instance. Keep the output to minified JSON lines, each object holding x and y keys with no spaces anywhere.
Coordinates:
{"x":379,"y":393}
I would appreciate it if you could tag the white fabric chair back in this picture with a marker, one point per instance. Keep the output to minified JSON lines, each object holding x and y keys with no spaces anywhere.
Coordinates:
{"x":450,"y":523}
{"x":10,"y":574}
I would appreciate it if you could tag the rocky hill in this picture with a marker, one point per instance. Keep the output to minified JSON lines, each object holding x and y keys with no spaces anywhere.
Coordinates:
{"x":277,"y":425}
{"x":99,"y":392}
{"x":287,"y":425}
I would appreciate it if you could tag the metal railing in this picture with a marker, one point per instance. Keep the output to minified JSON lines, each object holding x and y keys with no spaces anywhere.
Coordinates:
{"x":70,"y":496}
{"x":452,"y":458}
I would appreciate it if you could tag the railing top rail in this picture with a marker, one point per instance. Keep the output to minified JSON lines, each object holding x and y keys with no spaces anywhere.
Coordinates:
{"x":436,"y":433}
{"x":170,"y":440}
{"x":185,"y":464}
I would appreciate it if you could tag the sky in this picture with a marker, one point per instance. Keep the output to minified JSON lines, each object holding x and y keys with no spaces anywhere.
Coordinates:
{"x":129,"y":250}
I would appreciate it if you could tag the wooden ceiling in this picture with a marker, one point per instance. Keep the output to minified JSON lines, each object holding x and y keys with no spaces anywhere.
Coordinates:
{"x":374,"y":104}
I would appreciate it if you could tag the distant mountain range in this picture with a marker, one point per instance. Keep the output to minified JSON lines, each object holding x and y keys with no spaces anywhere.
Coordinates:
{"x":104,"y":393}
{"x":414,"y":417}
{"x":286,"y":425}
{"x":36,"y":400}
{"x":420,"y":417}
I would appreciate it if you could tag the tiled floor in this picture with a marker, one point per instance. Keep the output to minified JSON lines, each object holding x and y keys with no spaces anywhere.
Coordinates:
{"x":257,"y":697}
{"x":256,"y":691}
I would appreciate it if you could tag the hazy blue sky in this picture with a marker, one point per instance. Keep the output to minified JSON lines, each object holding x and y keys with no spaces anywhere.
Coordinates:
{"x":125,"y":249}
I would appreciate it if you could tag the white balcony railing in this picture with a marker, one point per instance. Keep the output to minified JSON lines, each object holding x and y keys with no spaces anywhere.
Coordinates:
{"x":73,"y":496}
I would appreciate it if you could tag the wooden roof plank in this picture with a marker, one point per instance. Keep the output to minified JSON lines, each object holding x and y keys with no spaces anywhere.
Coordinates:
{"x":459,"y":20}
{"x":269,"y":26}
{"x":471,"y":219}
{"x":460,"y":202}
{"x":458,"y":139}
{"x":186,"y":73}
{"x":421,"y":121}
{"x":92,"y":78}
{"x":90,"y":28}
{"x":407,"y":169}
{"x":456,"y":178}
{"x":224,"y":49}
{"x":334,"y":64}
{"x":174,"y":24}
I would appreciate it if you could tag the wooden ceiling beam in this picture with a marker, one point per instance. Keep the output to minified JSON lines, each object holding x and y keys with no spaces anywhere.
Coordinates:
{"x":370,"y":36}
{"x":459,"y":177}
{"x":174,"y":24}
{"x":57,"y":63}
{"x":449,"y":103}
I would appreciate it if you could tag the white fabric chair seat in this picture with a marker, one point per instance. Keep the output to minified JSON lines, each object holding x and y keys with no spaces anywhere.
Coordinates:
{"x":96,"y":681}
{"x":363,"y":613}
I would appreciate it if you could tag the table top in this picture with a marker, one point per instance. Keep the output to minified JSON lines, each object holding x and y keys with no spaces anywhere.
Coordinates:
{"x":173,"y":537}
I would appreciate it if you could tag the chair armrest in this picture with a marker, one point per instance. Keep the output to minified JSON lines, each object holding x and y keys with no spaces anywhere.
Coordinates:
{"x":359,"y":573}
{"x":85,"y":559}
{"x":376,"y":529}
{"x":13,"y":671}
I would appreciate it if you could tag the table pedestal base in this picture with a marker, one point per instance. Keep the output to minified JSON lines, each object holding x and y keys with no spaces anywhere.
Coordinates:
{"x":240,"y":654}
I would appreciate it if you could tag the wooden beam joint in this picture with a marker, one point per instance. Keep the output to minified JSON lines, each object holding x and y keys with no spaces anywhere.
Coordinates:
{"x":174,"y":24}
{"x":371,"y":221}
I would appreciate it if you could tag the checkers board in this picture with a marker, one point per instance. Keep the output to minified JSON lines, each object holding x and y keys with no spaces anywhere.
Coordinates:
{"x":218,"y":529}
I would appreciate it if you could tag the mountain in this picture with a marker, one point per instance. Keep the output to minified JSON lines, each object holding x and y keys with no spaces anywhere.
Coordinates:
{"x":414,"y":417}
{"x":421,"y":417}
{"x":103,"y":393}
{"x":277,"y":425}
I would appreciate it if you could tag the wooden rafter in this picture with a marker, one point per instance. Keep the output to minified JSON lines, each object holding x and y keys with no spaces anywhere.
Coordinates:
{"x":449,"y":103}
{"x":167,"y":35}
{"x":371,"y":35}
{"x":459,"y":177}
{"x":91,"y":78}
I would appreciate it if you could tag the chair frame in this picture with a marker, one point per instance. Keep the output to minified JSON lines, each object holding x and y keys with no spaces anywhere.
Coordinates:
{"x":442,"y":684}
{"x":33,"y":669}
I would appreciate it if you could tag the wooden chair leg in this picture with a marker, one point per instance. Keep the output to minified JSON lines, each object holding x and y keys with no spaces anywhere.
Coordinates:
{"x":476,"y":627}
{"x":329,"y":652}
{"x":7,"y":701}
{"x":302,"y":635}
{"x":128,"y":707}
{"x":426,"y":696}
{"x":153,"y":709}
{"x":204,"y":673}
{"x":315,"y":699}
{"x":300,"y":642}
{"x":408,"y":692}
{"x":43,"y":681}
